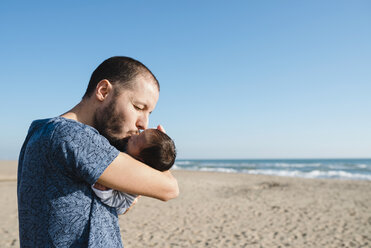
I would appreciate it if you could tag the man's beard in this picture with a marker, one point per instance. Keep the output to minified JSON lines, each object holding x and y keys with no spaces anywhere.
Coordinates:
{"x":108,"y":123}
{"x":121,"y":144}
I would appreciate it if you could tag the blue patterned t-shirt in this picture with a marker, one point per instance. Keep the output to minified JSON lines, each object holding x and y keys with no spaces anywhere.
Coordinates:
{"x":59,"y":161}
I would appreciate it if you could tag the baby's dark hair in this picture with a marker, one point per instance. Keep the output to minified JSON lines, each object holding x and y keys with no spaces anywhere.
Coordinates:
{"x":160,"y":152}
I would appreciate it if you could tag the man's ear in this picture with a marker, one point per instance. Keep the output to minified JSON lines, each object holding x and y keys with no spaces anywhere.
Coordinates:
{"x":103,"y":89}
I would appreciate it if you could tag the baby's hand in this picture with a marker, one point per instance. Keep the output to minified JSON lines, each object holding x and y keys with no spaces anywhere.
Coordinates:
{"x":100,"y":187}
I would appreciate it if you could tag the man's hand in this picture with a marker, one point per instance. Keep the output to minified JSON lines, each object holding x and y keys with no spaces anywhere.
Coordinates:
{"x":100,"y":187}
{"x":161,"y":128}
{"x":134,"y":202}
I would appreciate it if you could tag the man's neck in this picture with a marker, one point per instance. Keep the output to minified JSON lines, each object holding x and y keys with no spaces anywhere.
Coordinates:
{"x":82,"y":112}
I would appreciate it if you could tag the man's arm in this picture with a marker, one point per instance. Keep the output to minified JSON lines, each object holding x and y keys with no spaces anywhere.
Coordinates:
{"x":129,"y":175}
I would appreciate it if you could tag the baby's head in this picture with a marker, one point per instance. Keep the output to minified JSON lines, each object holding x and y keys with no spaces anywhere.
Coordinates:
{"x":153,"y":148}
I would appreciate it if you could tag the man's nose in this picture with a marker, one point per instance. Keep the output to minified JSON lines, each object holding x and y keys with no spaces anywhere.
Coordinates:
{"x":142,"y":122}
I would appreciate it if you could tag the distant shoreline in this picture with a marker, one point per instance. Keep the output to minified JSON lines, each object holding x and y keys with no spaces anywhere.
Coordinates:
{"x":306,"y":169}
{"x":267,"y":159}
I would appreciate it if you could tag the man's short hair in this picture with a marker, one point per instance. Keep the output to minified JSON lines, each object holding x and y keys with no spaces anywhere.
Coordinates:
{"x":119,"y":71}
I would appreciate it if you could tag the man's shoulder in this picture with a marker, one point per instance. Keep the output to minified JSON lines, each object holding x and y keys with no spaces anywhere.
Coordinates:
{"x":60,"y":126}
{"x":64,"y":126}
{"x":59,"y":130}
{"x":63,"y":132}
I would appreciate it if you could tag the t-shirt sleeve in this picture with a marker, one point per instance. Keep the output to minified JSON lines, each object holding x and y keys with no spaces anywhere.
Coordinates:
{"x":81,"y":152}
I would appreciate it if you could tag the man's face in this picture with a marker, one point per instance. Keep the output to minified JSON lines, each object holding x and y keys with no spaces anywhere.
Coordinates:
{"x":125,"y":114}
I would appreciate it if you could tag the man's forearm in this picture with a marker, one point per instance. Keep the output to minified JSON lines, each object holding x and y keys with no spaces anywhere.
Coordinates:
{"x":129,"y":175}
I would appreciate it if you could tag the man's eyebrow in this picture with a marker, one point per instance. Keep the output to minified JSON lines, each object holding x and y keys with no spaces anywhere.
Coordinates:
{"x":145,"y":106}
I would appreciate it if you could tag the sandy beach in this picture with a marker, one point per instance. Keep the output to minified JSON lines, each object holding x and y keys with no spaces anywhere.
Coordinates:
{"x":233,"y":210}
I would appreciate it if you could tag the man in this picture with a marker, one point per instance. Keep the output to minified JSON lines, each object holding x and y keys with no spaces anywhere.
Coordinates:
{"x":63,"y":156}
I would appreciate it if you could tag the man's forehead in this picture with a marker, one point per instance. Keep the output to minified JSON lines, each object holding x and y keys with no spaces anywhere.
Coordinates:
{"x":139,"y":89}
{"x":145,"y":92}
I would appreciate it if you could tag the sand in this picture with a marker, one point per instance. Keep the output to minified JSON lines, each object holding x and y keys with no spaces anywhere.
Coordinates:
{"x":233,"y":210}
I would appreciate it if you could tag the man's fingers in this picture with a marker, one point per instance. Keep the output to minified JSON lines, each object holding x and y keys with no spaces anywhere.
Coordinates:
{"x":161,"y":128}
{"x":132,"y":204}
{"x":100,"y":187}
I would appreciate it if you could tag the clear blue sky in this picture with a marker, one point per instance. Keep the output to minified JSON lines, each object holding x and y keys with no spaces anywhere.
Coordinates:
{"x":239,"y":79}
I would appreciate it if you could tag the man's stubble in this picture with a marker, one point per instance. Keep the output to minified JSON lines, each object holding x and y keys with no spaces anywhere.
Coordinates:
{"x":109,"y":124}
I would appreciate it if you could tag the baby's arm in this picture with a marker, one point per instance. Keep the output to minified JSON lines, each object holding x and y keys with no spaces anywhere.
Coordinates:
{"x":113,"y":198}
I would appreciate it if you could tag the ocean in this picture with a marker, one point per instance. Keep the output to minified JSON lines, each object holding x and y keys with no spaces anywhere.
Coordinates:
{"x":355,"y":169}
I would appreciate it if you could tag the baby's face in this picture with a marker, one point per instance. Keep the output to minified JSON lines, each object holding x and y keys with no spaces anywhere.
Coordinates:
{"x":136,"y":143}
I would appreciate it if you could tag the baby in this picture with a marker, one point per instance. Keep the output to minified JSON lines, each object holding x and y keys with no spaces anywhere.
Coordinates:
{"x":152,"y":147}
